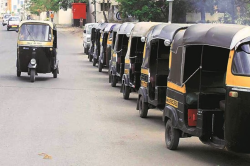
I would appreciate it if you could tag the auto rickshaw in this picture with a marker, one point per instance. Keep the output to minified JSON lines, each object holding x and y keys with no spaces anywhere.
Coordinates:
{"x":92,"y":42}
{"x":155,"y":67}
{"x":97,"y":48}
{"x":120,"y":50}
{"x":106,"y":43}
{"x":114,"y":34}
{"x":36,"y":48}
{"x":208,"y":87}
{"x":133,"y":59}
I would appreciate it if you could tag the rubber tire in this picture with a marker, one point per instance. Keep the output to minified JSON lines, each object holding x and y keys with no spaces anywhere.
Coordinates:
{"x":55,"y":73}
{"x":113,"y":81}
{"x":90,"y":58}
{"x":32,"y":75}
{"x":100,"y":66}
{"x":94,"y":61}
{"x":18,"y":73}
{"x":8,"y":29}
{"x":143,"y":108}
{"x":172,"y":140}
{"x":125,"y":91}
{"x":110,"y":77}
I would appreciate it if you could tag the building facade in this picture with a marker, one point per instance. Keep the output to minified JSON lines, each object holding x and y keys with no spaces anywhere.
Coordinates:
{"x":96,"y":8}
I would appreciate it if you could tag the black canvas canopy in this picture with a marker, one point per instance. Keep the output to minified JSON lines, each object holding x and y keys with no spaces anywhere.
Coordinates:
{"x":126,"y":28}
{"x":219,"y":35}
{"x":162,"y":31}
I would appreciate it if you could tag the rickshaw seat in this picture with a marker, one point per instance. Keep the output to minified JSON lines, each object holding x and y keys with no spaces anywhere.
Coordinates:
{"x":222,"y":105}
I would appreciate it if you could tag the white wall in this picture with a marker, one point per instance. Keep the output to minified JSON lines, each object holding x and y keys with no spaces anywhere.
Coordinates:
{"x":60,"y":17}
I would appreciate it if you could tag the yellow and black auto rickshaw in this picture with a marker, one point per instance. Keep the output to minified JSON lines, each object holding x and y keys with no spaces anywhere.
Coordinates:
{"x":36,"y":48}
{"x":155,"y":67}
{"x":133,"y":60}
{"x":116,"y":69}
{"x":114,"y":34}
{"x":92,"y":42}
{"x":106,"y":44}
{"x":97,"y":48}
{"x":208,"y":87}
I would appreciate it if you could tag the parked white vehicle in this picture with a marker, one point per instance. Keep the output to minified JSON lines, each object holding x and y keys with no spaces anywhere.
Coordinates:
{"x":5,"y":19}
{"x":87,"y":36}
{"x":13,"y":22}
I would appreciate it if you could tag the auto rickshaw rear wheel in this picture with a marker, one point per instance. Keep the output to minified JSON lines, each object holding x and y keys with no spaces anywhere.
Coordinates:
{"x":90,"y":58}
{"x":32,"y":75}
{"x":94,"y":61}
{"x":113,"y":80}
{"x":18,"y":73}
{"x":143,"y":108}
{"x":100,"y":65}
{"x":172,"y":136}
{"x":125,"y":91}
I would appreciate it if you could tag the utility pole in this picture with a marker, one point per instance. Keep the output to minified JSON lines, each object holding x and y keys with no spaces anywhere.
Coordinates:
{"x":170,"y":10}
{"x":94,"y":3}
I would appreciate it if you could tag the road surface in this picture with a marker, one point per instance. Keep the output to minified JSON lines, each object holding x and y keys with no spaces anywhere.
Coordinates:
{"x":79,"y":119}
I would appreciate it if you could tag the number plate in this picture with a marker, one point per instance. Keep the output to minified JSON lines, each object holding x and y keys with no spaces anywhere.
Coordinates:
{"x":14,"y":26}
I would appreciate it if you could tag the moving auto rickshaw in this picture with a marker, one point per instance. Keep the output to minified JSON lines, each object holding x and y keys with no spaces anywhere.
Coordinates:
{"x":116,"y":69}
{"x":36,"y":48}
{"x":155,"y":67}
{"x":133,"y":59}
{"x":208,"y":87}
{"x":92,"y":42}
{"x":97,"y":48}
{"x":106,"y":44}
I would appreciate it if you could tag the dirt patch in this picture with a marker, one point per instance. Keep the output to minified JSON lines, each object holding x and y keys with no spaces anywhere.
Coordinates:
{"x":73,"y":30}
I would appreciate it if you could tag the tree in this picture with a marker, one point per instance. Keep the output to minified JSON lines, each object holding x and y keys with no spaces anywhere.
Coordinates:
{"x":38,"y":6}
{"x":143,"y":10}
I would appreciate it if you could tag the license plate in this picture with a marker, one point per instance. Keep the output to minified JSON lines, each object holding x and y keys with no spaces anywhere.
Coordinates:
{"x":14,"y":26}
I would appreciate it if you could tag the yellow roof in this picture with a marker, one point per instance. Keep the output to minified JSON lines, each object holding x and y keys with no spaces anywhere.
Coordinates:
{"x":37,"y":22}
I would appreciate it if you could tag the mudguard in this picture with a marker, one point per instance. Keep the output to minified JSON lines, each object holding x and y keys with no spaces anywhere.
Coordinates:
{"x":113,"y":70}
{"x":125,"y":79}
{"x":30,"y":66}
{"x":171,"y":113}
{"x":143,"y":92}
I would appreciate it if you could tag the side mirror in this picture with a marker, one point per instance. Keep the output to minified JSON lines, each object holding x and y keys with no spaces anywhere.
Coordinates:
{"x":16,"y":30}
{"x":84,"y":31}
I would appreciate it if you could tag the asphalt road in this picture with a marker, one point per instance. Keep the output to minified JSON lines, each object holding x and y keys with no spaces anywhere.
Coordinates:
{"x":79,"y":119}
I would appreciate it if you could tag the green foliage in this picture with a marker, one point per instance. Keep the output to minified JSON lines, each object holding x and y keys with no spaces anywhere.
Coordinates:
{"x":38,"y":6}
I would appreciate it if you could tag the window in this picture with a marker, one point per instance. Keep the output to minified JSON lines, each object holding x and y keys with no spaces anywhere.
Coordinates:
{"x":35,"y":33}
{"x":105,"y":6}
{"x":14,"y":19}
{"x":241,"y":61}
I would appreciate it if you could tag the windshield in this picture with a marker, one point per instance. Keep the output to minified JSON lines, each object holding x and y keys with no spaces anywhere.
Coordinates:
{"x":89,"y":29}
{"x":35,"y":33}
{"x":241,"y":61}
{"x":14,"y":19}
{"x":6,"y":16}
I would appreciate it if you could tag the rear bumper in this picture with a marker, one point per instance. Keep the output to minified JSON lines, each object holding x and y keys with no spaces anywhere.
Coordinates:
{"x":13,"y":26}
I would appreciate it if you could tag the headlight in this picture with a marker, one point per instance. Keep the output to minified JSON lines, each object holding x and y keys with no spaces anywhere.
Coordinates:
{"x":88,"y":39}
{"x":33,"y":61}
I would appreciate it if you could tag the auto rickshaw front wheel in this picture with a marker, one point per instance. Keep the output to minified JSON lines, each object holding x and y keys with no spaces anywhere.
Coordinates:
{"x":100,"y":65}
{"x":18,"y":73}
{"x":32,"y":75}
{"x":113,"y":80}
{"x":125,"y":91}
{"x":94,"y":61}
{"x":143,"y":108}
{"x":172,"y":136}
{"x":55,"y":72}
{"x":90,"y":58}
